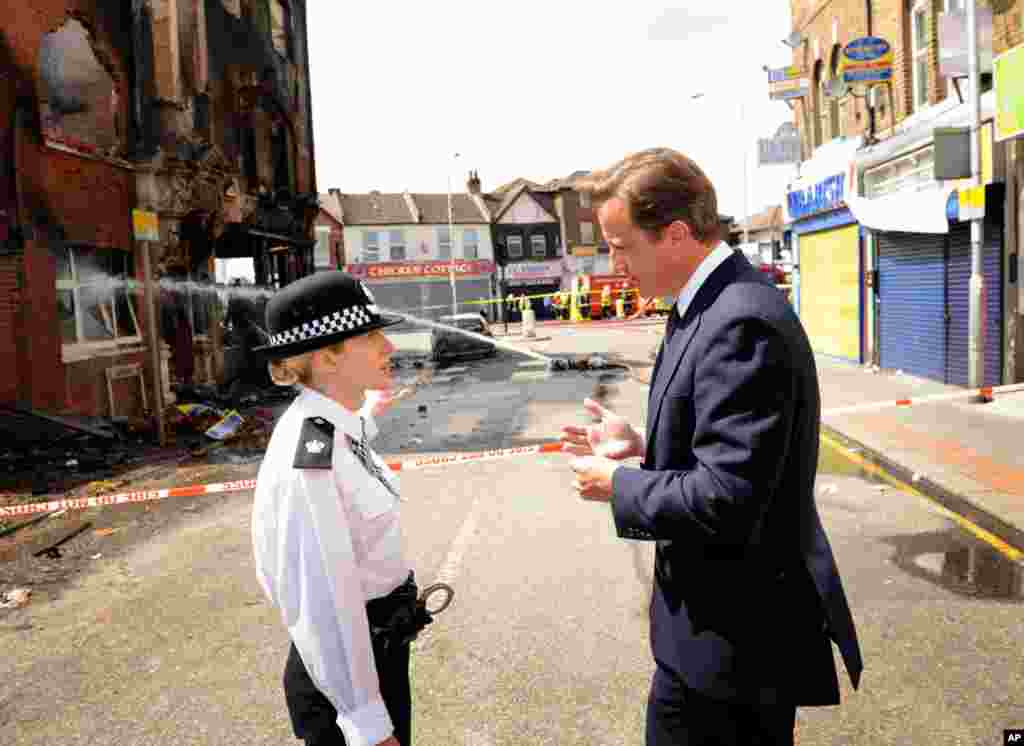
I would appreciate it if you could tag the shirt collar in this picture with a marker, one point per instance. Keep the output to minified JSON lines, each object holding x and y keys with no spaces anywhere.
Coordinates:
{"x":315,"y":404}
{"x":711,"y":262}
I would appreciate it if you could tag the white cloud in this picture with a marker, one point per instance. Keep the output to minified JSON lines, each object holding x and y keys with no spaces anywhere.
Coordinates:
{"x":540,"y":89}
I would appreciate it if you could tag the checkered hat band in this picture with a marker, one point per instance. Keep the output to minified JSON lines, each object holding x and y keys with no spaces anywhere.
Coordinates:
{"x":347,"y":320}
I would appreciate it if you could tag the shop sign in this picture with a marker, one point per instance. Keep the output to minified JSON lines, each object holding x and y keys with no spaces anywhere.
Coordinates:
{"x":388,"y":270}
{"x":867,"y":60}
{"x":145,"y":225}
{"x":533,"y":271}
{"x":787,"y":83}
{"x":825,"y":195}
{"x":1008,"y":71}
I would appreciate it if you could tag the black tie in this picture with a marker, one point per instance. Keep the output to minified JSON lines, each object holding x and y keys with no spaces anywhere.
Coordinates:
{"x":670,"y":326}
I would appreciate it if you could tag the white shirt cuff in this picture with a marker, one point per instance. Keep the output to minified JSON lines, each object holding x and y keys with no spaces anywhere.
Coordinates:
{"x":367,"y":726}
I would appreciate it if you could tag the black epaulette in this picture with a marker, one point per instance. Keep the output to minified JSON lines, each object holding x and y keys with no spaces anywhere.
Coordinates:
{"x":316,"y":443}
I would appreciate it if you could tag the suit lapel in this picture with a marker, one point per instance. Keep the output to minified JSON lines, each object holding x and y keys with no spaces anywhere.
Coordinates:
{"x":674,"y":348}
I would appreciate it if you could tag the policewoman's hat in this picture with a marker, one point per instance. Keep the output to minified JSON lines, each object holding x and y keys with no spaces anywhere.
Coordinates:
{"x":319,"y":310}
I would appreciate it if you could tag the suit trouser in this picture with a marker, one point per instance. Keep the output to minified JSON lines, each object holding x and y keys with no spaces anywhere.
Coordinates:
{"x":314,"y":719}
{"x":680,"y":716}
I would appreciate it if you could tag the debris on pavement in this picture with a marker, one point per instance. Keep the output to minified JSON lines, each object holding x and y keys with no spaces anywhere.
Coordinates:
{"x":15,"y":598}
{"x":53,"y":551}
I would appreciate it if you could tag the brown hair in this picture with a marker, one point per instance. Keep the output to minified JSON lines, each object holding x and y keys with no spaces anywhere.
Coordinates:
{"x":659,"y":186}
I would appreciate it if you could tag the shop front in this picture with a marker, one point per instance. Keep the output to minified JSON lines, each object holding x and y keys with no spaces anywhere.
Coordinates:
{"x":534,"y":279}
{"x":424,"y":289}
{"x":920,"y":251}
{"x":829,"y":265}
{"x":923,"y":286}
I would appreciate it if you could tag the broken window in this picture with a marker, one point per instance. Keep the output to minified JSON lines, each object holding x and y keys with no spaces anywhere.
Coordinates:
{"x":78,"y":99}
{"x":95,"y":302}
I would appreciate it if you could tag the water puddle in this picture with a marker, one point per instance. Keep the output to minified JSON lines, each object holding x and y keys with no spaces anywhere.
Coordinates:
{"x":950,"y":558}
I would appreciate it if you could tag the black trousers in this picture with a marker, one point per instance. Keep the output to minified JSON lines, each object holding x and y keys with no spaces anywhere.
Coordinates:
{"x":679,"y":716}
{"x":314,"y":719}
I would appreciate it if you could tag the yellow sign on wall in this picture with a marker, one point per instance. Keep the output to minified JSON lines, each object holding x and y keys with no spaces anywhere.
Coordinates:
{"x":145,"y":225}
{"x":1008,"y":72}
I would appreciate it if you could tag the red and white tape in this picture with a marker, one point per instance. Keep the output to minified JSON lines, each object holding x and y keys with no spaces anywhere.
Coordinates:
{"x":121,"y":498}
{"x":426,"y":462}
{"x":421,"y":462}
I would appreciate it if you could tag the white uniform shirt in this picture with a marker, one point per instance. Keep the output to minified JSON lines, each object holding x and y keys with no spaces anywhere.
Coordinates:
{"x":327,"y":541}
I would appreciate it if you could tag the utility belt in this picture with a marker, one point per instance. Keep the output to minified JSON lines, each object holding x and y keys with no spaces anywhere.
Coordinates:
{"x":398,"y":618}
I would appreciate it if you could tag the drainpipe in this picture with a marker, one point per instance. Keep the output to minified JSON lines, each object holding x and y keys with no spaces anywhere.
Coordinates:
{"x":870,"y":108}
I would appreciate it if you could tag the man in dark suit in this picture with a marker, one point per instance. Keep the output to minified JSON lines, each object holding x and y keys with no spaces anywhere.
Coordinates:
{"x":747,"y":597}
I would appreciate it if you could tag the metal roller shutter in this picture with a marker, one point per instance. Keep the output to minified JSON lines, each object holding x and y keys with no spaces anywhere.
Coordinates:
{"x":912,"y":303}
{"x":958,"y":294}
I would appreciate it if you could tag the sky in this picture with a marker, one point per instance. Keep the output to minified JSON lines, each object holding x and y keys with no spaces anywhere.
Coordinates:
{"x":541,"y":89}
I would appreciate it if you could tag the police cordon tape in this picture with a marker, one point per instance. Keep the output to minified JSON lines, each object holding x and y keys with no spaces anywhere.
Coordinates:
{"x":426,"y":462}
{"x":122,"y":498}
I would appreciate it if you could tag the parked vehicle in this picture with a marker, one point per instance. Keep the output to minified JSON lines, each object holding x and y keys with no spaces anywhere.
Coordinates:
{"x":446,"y":345}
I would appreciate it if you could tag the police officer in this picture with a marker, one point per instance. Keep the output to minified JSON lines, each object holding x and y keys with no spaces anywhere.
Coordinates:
{"x":325,"y":525}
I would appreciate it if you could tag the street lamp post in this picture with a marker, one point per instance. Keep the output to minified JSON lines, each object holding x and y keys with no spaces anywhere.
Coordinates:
{"x":451,"y":242}
{"x":746,"y":157}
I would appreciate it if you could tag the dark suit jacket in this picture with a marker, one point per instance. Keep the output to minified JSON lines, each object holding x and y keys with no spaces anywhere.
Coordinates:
{"x":746,"y":592}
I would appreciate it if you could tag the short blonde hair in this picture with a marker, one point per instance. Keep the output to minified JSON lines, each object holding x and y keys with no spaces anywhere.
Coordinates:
{"x":298,"y":368}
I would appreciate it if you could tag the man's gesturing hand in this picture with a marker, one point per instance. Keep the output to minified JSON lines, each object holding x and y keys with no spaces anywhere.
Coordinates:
{"x":612,"y":437}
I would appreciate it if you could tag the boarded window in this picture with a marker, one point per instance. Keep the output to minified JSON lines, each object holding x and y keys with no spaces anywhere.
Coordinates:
{"x":78,"y":100}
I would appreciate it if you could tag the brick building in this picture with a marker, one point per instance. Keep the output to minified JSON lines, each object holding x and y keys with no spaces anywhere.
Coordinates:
{"x":196,"y":110}
{"x":872,"y":225}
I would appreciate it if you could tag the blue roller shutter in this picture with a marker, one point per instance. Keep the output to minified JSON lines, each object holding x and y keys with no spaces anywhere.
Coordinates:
{"x":912,"y":303}
{"x":959,"y":284}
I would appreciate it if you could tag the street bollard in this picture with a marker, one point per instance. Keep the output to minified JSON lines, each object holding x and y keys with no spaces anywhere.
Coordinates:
{"x":529,"y":323}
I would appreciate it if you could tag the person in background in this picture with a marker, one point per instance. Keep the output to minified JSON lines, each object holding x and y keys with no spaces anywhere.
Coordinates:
{"x":326,"y":522}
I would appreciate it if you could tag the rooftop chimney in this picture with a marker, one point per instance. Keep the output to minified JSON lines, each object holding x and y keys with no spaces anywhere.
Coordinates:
{"x":473,"y":183}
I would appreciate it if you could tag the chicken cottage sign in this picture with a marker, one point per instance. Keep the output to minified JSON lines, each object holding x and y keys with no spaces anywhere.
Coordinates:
{"x":386,"y":270}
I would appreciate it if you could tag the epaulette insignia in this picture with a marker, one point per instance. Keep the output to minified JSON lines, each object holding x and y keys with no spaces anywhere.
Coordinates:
{"x":316,"y":443}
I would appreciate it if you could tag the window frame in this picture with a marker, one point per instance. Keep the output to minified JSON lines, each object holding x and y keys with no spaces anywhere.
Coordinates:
{"x":519,"y":253}
{"x":533,"y":245}
{"x":323,"y":247}
{"x":445,"y":246}
{"x":371,"y":256}
{"x":394,"y":245}
{"x":82,"y":347}
{"x":583,"y":233}
{"x":918,"y":57}
{"x":470,"y":243}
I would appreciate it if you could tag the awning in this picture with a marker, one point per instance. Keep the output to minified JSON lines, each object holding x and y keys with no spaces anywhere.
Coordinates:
{"x":909,"y":212}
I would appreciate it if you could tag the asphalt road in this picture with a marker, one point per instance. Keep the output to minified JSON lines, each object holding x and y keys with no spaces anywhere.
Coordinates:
{"x":171,"y":641}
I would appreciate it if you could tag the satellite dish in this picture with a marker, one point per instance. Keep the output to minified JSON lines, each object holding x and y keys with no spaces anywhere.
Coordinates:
{"x":794,"y":40}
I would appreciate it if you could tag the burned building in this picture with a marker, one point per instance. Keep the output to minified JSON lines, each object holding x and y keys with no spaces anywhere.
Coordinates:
{"x":195,"y":111}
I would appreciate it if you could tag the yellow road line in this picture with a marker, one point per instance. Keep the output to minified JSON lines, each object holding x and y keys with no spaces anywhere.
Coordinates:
{"x":1011,"y":552}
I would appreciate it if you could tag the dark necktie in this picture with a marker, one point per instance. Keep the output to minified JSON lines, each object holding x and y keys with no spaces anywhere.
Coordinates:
{"x":670,"y":326}
{"x":362,"y":452}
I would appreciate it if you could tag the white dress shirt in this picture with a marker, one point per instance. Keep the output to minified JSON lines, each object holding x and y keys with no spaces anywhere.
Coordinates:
{"x":711,"y":262}
{"x":326,"y":541}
